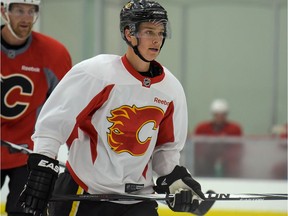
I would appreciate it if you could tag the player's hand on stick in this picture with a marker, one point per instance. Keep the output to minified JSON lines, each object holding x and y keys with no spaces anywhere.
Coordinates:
{"x":43,"y":172}
{"x":187,"y":191}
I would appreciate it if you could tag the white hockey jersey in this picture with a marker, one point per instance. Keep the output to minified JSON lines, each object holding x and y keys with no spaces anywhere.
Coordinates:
{"x":120,"y":125}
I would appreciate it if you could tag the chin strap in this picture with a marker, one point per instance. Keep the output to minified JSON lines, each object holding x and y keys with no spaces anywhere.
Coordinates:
{"x":163,"y":41}
{"x":136,"y":50}
{"x":13,"y":33}
{"x":7,"y":21}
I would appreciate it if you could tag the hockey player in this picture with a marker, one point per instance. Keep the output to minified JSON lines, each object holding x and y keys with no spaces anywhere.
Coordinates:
{"x":124,"y":117}
{"x":219,"y":125}
{"x":224,"y":158}
{"x":31,"y":66}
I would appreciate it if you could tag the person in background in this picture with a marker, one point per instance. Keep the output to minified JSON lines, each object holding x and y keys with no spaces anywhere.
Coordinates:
{"x":219,"y":125}
{"x":224,"y":157}
{"x":280,"y":132}
{"x":31,"y":66}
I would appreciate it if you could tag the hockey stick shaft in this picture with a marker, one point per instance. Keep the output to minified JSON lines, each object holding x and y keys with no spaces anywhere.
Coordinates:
{"x":15,"y":147}
{"x":23,"y":149}
{"x":245,"y":197}
{"x":202,"y":209}
{"x":159,"y":197}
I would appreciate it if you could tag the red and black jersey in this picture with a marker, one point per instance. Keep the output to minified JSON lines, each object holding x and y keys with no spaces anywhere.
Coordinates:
{"x":28,"y":76}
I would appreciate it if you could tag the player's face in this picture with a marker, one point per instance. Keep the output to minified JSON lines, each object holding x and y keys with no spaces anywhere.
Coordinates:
{"x":22,"y":17}
{"x":220,"y":118}
{"x":150,"y":39}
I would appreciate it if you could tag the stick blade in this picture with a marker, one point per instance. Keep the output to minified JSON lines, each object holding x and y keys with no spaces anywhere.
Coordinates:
{"x":204,"y":206}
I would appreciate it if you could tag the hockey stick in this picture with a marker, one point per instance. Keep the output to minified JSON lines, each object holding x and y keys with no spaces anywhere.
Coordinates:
{"x":16,"y":148}
{"x":203,"y":208}
{"x":163,"y":197}
{"x":22,"y":149}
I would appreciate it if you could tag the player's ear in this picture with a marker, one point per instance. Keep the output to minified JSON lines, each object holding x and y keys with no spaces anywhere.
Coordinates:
{"x":128,"y":35}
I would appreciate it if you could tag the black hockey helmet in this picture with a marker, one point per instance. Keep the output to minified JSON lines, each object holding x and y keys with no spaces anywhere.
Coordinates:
{"x":136,"y":12}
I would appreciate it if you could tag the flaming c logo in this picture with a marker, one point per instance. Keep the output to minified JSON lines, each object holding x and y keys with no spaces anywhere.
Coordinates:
{"x":132,"y":128}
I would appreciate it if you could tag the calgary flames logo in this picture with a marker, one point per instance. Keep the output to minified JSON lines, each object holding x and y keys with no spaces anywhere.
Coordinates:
{"x":132,"y":128}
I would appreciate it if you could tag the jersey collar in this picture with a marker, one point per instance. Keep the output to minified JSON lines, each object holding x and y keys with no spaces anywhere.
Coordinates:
{"x":11,"y":52}
{"x":146,"y":81}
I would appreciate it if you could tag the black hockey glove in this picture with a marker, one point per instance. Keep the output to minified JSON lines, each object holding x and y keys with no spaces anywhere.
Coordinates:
{"x":187,"y":191}
{"x":40,"y":184}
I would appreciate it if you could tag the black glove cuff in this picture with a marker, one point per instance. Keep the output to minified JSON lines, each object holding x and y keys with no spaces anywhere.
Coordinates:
{"x":43,"y":163}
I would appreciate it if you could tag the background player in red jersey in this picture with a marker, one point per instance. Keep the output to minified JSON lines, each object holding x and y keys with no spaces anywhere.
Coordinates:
{"x":31,"y":66}
{"x":125,"y":118}
{"x":219,"y":125}
{"x":224,"y":157}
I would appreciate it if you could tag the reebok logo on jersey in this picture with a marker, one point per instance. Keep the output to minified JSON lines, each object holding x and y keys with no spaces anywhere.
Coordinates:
{"x":133,"y":128}
{"x":164,"y":102}
{"x":44,"y":163}
{"x":31,"y":69}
